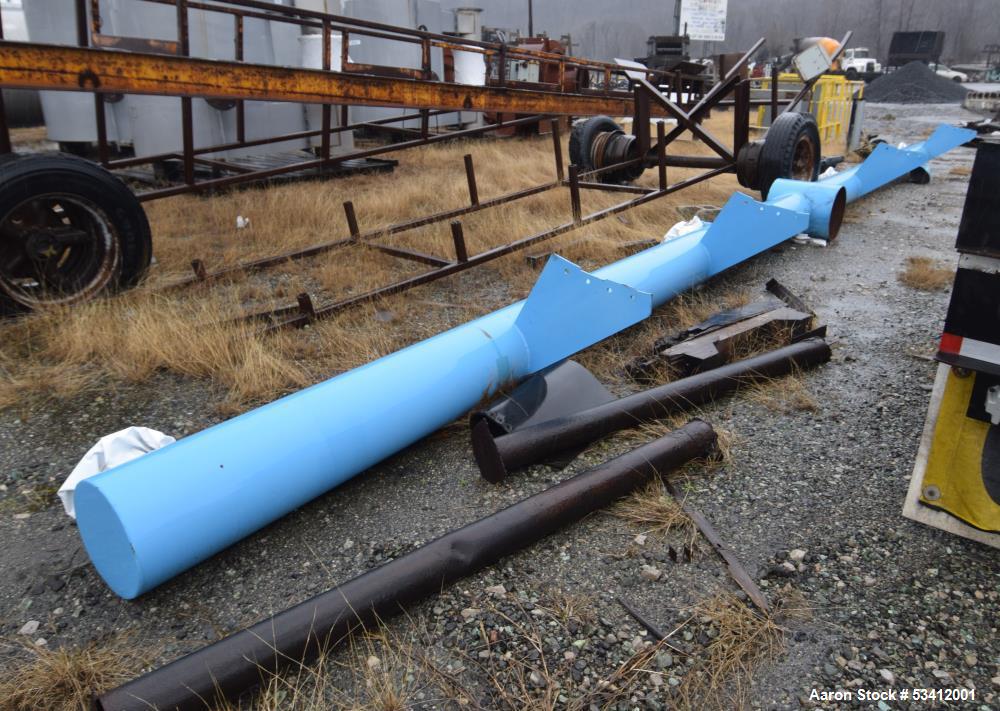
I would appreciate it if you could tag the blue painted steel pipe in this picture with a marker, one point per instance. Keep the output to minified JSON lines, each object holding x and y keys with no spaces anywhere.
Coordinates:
{"x":148,"y":520}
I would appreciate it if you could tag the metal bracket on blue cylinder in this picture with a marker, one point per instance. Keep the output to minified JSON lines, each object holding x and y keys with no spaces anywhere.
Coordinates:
{"x":148,"y":520}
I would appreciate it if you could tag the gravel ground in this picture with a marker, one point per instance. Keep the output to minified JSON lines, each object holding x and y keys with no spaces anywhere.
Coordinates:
{"x":810,"y":502}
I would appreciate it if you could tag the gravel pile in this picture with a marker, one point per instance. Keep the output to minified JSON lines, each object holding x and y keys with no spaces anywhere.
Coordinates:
{"x":915,"y":84}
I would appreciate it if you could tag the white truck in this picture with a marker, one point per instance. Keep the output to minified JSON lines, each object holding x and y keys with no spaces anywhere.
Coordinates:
{"x":858,"y":63}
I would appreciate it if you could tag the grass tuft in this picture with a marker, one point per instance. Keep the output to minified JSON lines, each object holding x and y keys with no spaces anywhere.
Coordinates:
{"x":925,"y":274}
{"x":67,"y":678}
{"x":744,"y":640}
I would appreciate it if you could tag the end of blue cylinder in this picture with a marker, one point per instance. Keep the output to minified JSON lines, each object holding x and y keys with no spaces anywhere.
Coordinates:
{"x":106,"y":541}
{"x":824,"y":203}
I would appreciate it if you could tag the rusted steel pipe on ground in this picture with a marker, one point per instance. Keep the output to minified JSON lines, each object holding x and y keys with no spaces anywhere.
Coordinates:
{"x":498,"y":453}
{"x":236,"y":664}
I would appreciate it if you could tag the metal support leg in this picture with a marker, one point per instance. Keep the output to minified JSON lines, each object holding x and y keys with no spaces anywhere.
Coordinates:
{"x":574,"y":192}
{"x":470,"y":176}
{"x":557,"y":149}
{"x":461,"y":253}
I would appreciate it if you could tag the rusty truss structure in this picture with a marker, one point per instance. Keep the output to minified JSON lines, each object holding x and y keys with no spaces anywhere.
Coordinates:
{"x":603,"y":157}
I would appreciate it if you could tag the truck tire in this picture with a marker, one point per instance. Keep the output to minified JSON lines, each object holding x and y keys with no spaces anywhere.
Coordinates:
{"x":791,"y":150}
{"x":581,"y":153}
{"x":851,"y":74}
{"x":69,"y":230}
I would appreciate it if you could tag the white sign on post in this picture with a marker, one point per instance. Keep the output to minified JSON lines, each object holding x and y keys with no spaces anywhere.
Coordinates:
{"x":704,"y":19}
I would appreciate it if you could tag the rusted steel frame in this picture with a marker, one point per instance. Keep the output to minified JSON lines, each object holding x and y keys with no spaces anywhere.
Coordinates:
{"x":574,"y":193}
{"x":557,"y":148}
{"x":241,"y":119}
{"x":222,"y":165}
{"x":187,"y":114}
{"x":688,"y":121}
{"x":661,"y":155}
{"x":612,"y":188}
{"x":357,"y":236}
{"x":470,"y":178}
{"x":741,"y":116}
{"x":141,"y":160}
{"x":315,"y":19}
{"x":481,"y":258}
{"x":736,"y":570}
{"x":236,"y":664}
{"x":410,"y":254}
{"x":609,"y":168}
{"x":716,"y":93}
{"x":5,"y":145}
{"x":775,"y":73}
{"x":37,"y":66}
{"x":807,"y":86}
{"x":321,"y":163}
{"x":497,"y":455}
{"x":458,"y":237}
{"x":279,"y":13}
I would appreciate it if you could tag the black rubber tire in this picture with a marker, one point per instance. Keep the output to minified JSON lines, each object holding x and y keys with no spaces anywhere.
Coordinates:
{"x":957,"y":80}
{"x":851,"y":74}
{"x":783,"y":138}
{"x":25,"y":175}
{"x":581,"y":138}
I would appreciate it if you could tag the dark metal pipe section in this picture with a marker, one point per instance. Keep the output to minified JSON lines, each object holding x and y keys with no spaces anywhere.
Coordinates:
{"x":498,"y":455}
{"x":237,"y":663}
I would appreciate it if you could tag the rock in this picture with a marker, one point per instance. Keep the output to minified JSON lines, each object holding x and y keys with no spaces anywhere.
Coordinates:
{"x":796,"y":555}
{"x":496,"y":590}
{"x":640,"y":540}
{"x":470,"y":613}
{"x":373,"y":663}
{"x":41,"y":642}
{"x":664,"y":660}
{"x":29,"y":627}
{"x":537,"y":679}
{"x":887,"y":676}
{"x":971,"y":660}
{"x":996,"y":681}
{"x":348,"y":544}
{"x":651,"y":572}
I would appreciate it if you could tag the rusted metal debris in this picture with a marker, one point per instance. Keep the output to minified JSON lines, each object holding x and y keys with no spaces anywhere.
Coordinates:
{"x":780,"y":318}
{"x":237,"y":663}
{"x":736,"y":569}
{"x":498,"y":453}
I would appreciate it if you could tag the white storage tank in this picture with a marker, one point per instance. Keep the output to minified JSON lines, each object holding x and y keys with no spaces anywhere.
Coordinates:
{"x":152,"y":124}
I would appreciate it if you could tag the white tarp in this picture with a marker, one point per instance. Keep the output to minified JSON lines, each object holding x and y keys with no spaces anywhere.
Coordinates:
{"x":110,"y":451}
{"x":704,"y":19}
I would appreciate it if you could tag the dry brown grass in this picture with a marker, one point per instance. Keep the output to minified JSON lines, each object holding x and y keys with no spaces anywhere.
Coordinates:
{"x":744,"y":640}
{"x":379,"y":671}
{"x":784,"y":395}
{"x":66,"y":679}
{"x":654,"y":511}
{"x":926,"y":274}
{"x":61,"y":353}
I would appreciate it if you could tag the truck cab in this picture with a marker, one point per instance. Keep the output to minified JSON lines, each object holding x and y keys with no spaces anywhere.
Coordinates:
{"x":858,"y":63}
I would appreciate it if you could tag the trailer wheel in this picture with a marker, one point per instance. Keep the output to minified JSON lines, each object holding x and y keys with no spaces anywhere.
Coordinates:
{"x":599,"y":141}
{"x":791,"y":150}
{"x":69,"y":230}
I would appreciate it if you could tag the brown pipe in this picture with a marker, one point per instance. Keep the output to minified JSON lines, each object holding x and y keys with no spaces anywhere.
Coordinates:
{"x":498,"y":455}
{"x":236,"y":664}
